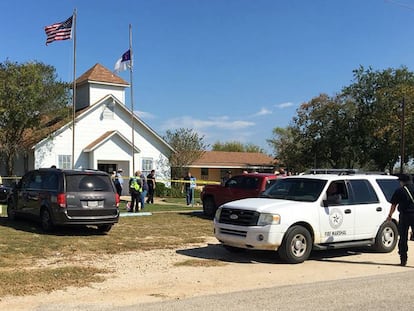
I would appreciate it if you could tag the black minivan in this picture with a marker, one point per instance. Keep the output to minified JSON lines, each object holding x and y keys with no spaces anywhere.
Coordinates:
{"x":60,"y":197}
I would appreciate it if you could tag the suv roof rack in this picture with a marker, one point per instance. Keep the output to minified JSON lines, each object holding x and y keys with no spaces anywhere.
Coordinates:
{"x":341,"y":171}
{"x":336,"y":171}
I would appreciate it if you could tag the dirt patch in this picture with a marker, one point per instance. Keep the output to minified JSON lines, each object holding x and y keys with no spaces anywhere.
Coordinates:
{"x":155,"y":275}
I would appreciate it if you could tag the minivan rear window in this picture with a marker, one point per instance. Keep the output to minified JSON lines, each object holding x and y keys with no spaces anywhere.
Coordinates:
{"x":82,"y":182}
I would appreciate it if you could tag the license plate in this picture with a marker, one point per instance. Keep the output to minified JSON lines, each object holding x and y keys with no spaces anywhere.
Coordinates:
{"x":93,"y":204}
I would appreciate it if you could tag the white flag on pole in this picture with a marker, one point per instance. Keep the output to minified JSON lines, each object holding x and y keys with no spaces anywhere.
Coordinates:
{"x":124,"y":62}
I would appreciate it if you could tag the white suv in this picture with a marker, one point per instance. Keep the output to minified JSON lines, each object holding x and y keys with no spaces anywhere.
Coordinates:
{"x":296,"y":215}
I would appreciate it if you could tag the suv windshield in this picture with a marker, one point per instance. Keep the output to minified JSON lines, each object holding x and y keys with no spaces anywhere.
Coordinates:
{"x":295,"y":189}
{"x":82,"y":182}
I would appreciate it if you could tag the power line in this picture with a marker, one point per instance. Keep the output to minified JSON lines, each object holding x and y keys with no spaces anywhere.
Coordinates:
{"x":403,"y":5}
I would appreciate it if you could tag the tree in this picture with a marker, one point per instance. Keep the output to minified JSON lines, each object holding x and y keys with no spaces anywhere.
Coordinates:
{"x":325,"y":125}
{"x":378,"y":96}
{"x":360,"y":127}
{"x":236,"y":146}
{"x":288,"y":148}
{"x":189,"y":146}
{"x":321,"y":135}
{"x":29,"y":96}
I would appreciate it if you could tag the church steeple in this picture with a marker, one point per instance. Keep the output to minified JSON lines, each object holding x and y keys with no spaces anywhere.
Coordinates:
{"x":96,"y":83}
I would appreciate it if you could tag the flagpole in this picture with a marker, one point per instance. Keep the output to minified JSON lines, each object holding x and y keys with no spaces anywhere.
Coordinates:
{"x":74,"y":89}
{"x":132,"y":100}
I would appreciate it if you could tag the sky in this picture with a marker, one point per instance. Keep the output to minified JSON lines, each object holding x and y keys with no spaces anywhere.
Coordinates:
{"x":231,"y":70}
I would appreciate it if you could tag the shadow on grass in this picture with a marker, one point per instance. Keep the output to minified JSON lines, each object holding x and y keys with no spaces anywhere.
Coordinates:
{"x":197,"y":214}
{"x":31,"y":226}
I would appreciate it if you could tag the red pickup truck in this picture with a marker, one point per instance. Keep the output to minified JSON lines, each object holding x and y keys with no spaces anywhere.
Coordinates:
{"x":238,"y":187}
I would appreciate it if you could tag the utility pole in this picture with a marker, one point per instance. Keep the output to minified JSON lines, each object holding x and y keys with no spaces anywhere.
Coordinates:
{"x":402,"y":144}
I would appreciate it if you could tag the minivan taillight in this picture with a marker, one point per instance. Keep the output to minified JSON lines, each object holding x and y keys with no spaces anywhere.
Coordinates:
{"x":117,"y":199}
{"x":61,"y":199}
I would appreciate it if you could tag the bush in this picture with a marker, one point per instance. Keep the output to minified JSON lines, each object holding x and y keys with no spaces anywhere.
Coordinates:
{"x":160,"y":189}
{"x":175,"y":191}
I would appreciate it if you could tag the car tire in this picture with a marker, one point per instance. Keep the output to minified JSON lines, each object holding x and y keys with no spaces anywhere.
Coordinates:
{"x":104,"y":228}
{"x":296,"y":246}
{"x":46,"y":220}
{"x":209,"y":207}
{"x":11,"y":212}
{"x":387,"y":237}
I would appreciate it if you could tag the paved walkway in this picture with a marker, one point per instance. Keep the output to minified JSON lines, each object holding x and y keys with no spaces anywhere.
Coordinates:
{"x":157,"y":200}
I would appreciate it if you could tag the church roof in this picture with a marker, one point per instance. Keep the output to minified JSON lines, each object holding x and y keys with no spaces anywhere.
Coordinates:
{"x":233,"y":159}
{"x":99,"y":73}
{"x":106,"y":136}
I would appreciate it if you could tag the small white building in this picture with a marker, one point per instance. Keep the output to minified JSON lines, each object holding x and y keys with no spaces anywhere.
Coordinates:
{"x":103,"y":138}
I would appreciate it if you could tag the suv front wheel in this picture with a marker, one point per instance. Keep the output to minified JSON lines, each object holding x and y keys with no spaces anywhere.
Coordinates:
{"x":296,"y":245}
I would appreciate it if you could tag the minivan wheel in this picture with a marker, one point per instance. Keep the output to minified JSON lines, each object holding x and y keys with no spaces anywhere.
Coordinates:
{"x":11,"y":212}
{"x":46,"y":220}
{"x":296,"y":245}
{"x":104,"y":228}
{"x":386,"y":238}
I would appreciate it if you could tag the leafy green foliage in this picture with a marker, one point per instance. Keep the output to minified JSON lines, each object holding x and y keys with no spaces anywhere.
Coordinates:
{"x":236,"y":146}
{"x":360,"y":127}
{"x":189,"y":146}
{"x":30,"y":96}
{"x":378,"y":97}
{"x":160,"y":189}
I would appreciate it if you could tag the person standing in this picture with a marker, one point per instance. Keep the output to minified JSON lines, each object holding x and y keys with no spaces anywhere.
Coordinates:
{"x":282,"y":172}
{"x":144,"y":188}
{"x":135,"y":188}
{"x":403,"y":198}
{"x":188,"y":189}
{"x":226,"y":177}
{"x":119,"y":181}
{"x":151,"y":187}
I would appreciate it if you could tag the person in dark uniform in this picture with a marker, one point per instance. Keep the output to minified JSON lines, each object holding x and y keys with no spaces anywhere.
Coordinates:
{"x":151,"y":187}
{"x":403,"y":198}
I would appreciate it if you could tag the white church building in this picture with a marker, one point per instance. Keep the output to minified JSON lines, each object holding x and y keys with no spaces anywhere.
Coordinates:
{"x":103,"y":137}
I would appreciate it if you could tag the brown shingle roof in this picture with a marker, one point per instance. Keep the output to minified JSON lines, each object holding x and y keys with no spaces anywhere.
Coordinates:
{"x":49,"y":124}
{"x":233,"y":159}
{"x":99,"y":73}
{"x":99,"y":140}
{"x":104,"y":137}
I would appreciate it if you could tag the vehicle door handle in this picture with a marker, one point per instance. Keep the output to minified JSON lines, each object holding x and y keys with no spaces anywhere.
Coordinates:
{"x":379,"y":209}
{"x":348,"y":211}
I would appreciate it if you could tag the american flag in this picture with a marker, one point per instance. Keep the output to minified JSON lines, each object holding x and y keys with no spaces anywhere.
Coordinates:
{"x":59,"y":31}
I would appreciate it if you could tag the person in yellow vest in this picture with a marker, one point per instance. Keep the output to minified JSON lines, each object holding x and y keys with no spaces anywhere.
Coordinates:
{"x":135,"y":189}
